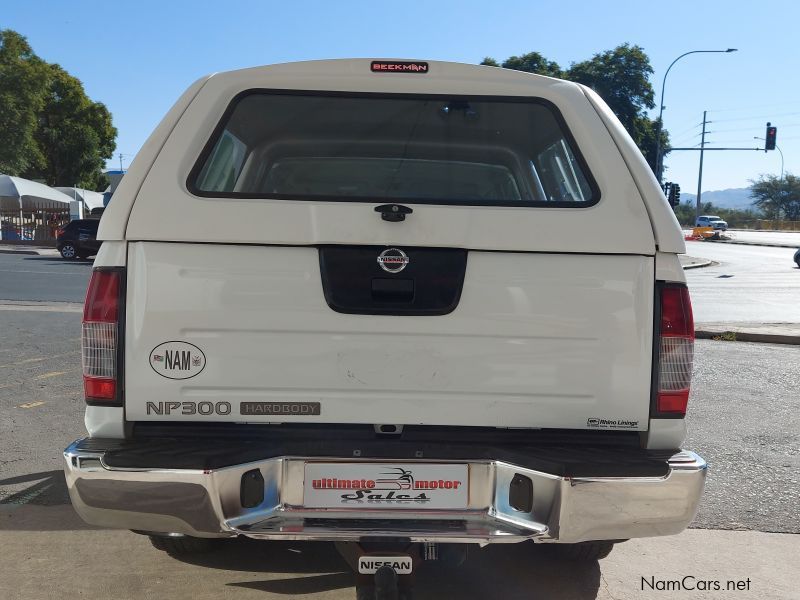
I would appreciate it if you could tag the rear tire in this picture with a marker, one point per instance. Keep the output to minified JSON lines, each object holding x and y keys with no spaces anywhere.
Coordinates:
{"x":584,"y":551}
{"x":183,"y":545}
{"x":68,"y":251}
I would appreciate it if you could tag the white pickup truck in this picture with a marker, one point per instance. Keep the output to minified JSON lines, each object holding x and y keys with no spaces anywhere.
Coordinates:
{"x":406,"y":306}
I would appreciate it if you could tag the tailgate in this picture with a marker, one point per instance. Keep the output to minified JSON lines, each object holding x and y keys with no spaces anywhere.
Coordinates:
{"x":244,"y":334}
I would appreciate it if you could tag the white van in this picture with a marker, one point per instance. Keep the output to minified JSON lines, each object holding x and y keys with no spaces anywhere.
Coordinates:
{"x":361,"y":300}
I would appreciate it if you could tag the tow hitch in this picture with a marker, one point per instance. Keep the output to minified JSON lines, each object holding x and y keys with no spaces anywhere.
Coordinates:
{"x":386,"y":569}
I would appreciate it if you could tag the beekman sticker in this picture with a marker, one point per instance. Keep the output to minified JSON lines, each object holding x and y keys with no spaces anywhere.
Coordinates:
{"x":398,"y":66}
{"x":177,"y":360}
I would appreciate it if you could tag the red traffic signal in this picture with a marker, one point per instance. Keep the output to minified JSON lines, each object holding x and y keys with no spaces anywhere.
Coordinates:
{"x":770,"y":138}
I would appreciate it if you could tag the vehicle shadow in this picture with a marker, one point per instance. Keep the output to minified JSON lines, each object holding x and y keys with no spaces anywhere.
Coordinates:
{"x":42,"y":506}
{"x":507,"y":571}
{"x":48,"y":488}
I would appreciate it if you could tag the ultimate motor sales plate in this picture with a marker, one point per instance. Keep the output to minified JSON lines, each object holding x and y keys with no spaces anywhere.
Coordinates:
{"x":386,"y":485}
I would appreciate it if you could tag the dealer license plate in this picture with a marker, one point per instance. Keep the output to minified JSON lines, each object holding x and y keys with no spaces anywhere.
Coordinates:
{"x":386,"y":485}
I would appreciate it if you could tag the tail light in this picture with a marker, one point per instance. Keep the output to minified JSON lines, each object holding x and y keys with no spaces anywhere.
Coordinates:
{"x":100,"y":338}
{"x":676,"y":350}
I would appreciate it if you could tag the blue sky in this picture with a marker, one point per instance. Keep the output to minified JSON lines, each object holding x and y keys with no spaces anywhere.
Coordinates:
{"x":138,"y":57}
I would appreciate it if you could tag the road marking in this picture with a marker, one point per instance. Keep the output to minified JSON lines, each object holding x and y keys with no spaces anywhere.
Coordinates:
{"x":40,"y":359}
{"x":31,"y":404}
{"x":49,"y":375}
{"x":66,"y":307}
{"x":29,"y":360}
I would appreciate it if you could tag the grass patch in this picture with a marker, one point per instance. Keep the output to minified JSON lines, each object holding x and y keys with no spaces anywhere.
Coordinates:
{"x":728,"y":336}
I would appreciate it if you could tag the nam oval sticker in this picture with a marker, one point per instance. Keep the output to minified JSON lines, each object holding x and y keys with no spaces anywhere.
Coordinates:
{"x":177,"y":360}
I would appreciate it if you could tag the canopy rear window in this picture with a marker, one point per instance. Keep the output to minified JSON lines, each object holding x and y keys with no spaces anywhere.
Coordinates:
{"x":393,"y":148}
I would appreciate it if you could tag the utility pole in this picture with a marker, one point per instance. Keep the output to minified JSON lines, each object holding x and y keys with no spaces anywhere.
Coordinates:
{"x":120,"y":162}
{"x":700,"y":172}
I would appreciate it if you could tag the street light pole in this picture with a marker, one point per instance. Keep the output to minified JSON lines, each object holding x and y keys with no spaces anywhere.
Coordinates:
{"x":659,"y":157}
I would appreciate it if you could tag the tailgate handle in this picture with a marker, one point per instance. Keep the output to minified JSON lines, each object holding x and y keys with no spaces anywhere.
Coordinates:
{"x":393,"y":212}
{"x":392,"y":290}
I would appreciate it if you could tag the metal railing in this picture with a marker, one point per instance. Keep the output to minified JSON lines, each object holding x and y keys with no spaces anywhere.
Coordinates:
{"x":777,"y":225}
{"x":33,"y":225}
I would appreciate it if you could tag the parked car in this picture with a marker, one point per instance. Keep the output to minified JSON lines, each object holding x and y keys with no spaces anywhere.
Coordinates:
{"x":711,"y":221}
{"x":797,"y":258}
{"x":78,"y":239}
{"x":359,"y":318}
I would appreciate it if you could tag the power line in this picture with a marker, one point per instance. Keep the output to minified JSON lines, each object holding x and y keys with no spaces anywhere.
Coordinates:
{"x":685,"y":138}
{"x":738,"y":129}
{"x":733,"y":130}
{"x":772,"y":116}
{"x":692,"y":128}
{"x":744,"y":108}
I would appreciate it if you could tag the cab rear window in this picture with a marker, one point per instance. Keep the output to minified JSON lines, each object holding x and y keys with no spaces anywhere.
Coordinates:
{"x":386,"y":148}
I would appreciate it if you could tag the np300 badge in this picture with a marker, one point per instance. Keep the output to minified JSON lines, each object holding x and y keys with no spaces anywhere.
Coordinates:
{"x":393,"y":260}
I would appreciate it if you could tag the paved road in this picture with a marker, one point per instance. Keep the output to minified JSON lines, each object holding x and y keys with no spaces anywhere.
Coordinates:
{"x":43,"y":278}
{"x":752,"y":284}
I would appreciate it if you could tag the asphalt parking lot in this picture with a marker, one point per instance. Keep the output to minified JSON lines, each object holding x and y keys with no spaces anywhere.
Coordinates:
{"x":744,"y":418}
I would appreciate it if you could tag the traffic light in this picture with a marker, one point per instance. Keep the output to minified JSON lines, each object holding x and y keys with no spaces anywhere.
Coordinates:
{"x":674,"y":194}
{"x":770,"y":138}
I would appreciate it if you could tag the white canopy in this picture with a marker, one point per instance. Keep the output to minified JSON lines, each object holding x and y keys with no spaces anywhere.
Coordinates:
{"x":22,"y":194}
{"x":90,"y":199}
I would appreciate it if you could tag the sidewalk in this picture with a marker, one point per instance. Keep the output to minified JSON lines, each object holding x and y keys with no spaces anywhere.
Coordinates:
{"x":766,"y":333}
{"x":51,"y":554}
{"x":752,"y":237}
{"x":692,"y":262}
{"x":24,"y":249}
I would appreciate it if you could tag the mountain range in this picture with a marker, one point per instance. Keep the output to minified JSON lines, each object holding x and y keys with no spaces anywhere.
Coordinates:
{"x":730,"y":198}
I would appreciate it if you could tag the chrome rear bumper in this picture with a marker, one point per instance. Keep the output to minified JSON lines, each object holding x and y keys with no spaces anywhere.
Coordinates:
{"x":207,"y":503}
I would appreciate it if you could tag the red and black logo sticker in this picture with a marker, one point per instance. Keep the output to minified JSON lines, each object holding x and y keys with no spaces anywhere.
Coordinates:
{"x":398,"y":66}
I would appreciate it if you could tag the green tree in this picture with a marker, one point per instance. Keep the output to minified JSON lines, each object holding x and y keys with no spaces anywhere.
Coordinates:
{"x":778,"y":198}
{"x":620,"y":76}
{"x":23,"y":81}
{"x":532,"y":62}
{"x":75,"y":135}
{"x":685,"y":213}
{"x":49,"y":129}
{"x":735,"y":217}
